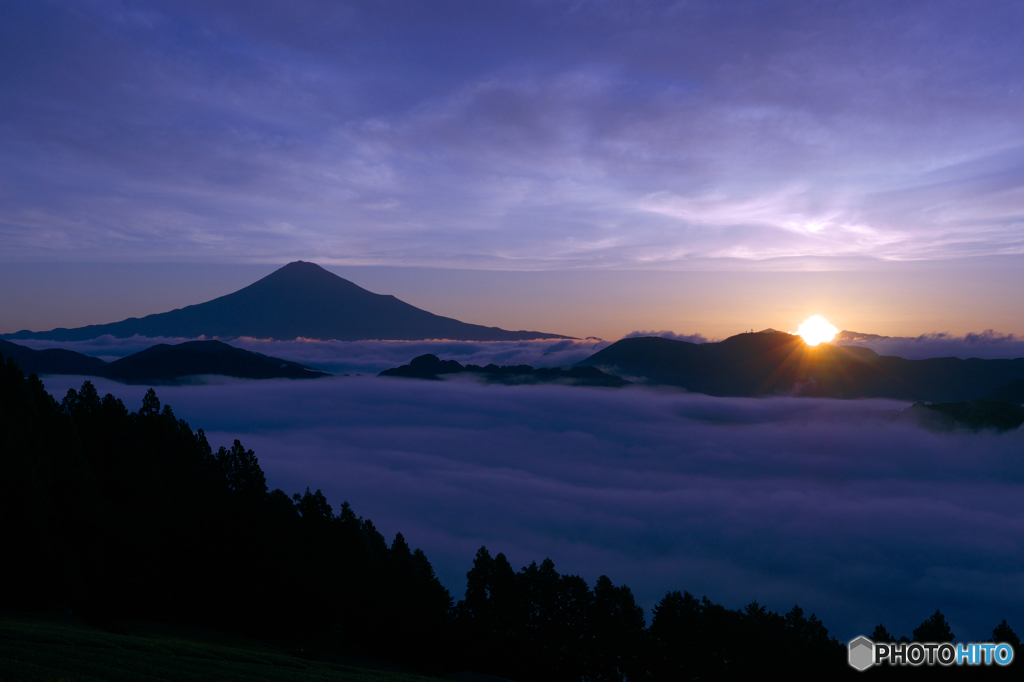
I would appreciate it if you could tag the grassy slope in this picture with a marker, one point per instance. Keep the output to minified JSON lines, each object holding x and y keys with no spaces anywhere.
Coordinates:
{"x":37,"y":647}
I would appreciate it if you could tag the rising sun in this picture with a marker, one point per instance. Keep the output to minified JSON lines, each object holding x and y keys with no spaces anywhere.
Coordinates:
{"x":816,"y":329}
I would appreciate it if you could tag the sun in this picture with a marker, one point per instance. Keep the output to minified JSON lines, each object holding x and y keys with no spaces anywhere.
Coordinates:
{"x":816,"y":329}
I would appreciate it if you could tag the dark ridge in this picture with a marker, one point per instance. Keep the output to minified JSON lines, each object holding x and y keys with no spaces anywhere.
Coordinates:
{"x":427,"y":366}
{"x":974,"y":415}
{"x":166,"y":364}
{"x":52,"y":360}
{"x":1012,"y":392}
{"x":161,"y":364}
{"x":776,"y":363}
{"x":300,"y":300}
{"x":432,"y":368}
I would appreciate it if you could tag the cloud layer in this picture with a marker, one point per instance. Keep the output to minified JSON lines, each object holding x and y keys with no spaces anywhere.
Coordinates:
{"x":986,"y":345}
{"x":841,"y":507}
{"x":362,"y":357}
{"x":522,"y":136}
{"x":370,"y":357}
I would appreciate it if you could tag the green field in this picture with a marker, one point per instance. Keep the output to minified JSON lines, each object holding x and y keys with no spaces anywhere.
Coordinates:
{"x":44,"y":647}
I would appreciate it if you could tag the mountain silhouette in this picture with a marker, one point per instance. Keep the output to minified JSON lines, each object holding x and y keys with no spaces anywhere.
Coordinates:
{"x":165,"y":363}
{"x":431,"y":367}
{"x":777,"y":363}
{"x":160,"y":364}
{"x":1012,"y":392}
{"x":51,"y":360}
{"x":300,"y":300}
{"x":973,"y":414}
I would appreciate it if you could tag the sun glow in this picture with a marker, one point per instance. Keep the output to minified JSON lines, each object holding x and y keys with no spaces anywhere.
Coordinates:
{"x":816,"y":329}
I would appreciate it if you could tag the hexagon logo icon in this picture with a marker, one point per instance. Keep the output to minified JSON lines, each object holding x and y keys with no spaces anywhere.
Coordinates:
{"x":862,"y":653}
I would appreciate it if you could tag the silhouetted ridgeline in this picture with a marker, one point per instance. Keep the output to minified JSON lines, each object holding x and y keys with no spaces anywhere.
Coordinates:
{"x":116,"y":514}
{"x":52,"y":360}
{"x":161,"y":364}
{"x":1012,"y":392}
{"x":974,"y":415}
{"x":431,"y":367}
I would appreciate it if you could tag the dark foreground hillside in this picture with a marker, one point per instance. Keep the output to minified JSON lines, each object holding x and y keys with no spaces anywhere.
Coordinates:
{"x":119,"y":516}
{"x":62,"y":647}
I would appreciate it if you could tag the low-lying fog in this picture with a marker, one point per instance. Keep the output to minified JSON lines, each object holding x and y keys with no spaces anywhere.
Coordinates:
{"x":838,"y":506}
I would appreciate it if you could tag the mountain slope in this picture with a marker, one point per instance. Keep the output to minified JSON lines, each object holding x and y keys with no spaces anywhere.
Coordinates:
{"x":1012,"y":392}
{"x":969,"y":414}
{"x":166,"y":363}
{"x":160,"y":364}
{"x":298,"y":300}
{"x":51,"y":360}
{"x":776,"y":363}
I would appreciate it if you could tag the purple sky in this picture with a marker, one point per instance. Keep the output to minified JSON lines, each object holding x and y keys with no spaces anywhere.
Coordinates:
{"x":635,"y":137}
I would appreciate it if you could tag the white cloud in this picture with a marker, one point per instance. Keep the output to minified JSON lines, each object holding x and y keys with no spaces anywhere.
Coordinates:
{"x":989,"y":345}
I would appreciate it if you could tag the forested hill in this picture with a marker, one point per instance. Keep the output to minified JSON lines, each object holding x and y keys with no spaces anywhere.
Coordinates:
{"x":122,"y":514}
{"x":431,"y":367}
{"x":116,"y":514}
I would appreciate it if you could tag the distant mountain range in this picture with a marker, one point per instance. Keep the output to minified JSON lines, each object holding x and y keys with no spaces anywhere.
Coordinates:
{"x":777,"y":363}
{"x":160,"y":364}
{"x":300,"y":300}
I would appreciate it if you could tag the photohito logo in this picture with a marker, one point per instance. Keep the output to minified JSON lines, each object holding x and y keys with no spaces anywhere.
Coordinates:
{"x":864,"y":653}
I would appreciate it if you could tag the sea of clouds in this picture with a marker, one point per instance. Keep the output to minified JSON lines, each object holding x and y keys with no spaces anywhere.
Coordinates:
{"x":842,"y":507}
{"x":362,"y":357}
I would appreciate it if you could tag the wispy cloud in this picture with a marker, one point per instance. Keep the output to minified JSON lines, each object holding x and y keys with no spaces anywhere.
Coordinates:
{"x":598,"y":136}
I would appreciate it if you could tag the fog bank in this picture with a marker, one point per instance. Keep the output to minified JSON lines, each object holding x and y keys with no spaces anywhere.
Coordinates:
{"x":837,"y":506}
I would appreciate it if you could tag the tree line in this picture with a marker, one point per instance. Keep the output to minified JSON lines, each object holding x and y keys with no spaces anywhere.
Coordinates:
{"x":116,"y":515}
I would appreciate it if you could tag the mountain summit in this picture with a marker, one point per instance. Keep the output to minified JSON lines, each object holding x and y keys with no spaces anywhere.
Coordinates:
{"x":299,"y":300}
